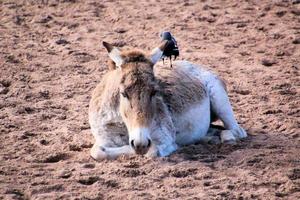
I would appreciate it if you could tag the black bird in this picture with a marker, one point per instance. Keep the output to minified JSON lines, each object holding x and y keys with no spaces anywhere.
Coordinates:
{"x":171,"y":49}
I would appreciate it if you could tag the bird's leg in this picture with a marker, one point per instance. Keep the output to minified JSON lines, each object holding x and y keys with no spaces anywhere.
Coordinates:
{"x":163,"y":60}
{"x":171,"y":61}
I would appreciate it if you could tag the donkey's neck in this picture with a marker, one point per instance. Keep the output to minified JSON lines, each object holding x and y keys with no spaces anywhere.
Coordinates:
{"x":162,"y":126}
{"x":163,"y":131}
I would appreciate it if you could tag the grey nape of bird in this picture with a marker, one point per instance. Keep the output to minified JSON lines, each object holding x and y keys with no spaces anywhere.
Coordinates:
{"x":171,"y":49}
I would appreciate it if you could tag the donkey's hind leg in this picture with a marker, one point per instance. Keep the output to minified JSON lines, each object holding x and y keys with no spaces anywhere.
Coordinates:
{"x":221,"y":107}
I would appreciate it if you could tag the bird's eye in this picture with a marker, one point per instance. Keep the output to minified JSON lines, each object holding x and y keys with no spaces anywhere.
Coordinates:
{"x":153,"y":93}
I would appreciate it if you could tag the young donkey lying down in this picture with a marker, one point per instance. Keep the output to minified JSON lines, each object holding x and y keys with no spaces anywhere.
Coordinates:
{"x":143,"y":108}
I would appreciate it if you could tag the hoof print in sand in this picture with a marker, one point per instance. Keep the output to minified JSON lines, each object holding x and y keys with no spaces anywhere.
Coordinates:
{"x":74,"y":147}
{"x":16,"y":194}
{"x":62,"y":42}
{"x":65,"y":174}
{"x":88,"y":180}
{"x":53,"y":158}
{"x":254,"y":161}
{"x":130,"y":173}
{"x":179,"y":173}
{"x":4,"y":86}
{"x":182,"y":173}
{"x":83,"y":57}
{"x":132,"y":165}
{"x":268,"y":62}
{"x":294,"y":174}
{"x":88,"y":165}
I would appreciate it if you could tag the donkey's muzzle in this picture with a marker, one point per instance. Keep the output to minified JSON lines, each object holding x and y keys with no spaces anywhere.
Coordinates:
{"x":141,"y":147}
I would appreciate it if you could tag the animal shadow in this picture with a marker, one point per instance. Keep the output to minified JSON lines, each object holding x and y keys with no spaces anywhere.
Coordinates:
{"x":209,"y":153}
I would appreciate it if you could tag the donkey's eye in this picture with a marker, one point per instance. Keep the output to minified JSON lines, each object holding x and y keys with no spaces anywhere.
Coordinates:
{"x":125,"y":95}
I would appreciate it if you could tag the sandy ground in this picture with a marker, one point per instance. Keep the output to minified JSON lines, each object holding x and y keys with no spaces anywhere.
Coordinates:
{"x":51,"y":59}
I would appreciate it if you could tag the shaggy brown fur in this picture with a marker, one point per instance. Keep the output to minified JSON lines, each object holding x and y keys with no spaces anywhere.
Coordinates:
{"x":136,"y":56}
{"x":137,"y":84}
{"x":138,"y":81}
{"x":129,"y":56}
{"x":107,"y":91}
{"x":178,"y":89}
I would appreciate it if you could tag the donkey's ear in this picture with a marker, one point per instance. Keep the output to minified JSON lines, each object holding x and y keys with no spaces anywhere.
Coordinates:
{"x":157,"y":52}
{"x":113,"y":53}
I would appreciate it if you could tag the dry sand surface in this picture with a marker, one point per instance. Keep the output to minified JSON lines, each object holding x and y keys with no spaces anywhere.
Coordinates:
{"x":51,"y":59}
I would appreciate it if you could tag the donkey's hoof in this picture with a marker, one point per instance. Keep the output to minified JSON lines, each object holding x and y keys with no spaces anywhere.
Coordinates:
{"x":210,"y":140}
{"x":214,"y":140}
{"x":152,"y":153}
{"x":231,"y":142}
{"x":227,"y":137}
{"x":240,"y":133}
{"x":98,"y":153}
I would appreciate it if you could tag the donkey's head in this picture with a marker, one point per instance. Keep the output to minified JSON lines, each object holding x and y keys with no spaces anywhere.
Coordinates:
{"x":137,"y":92}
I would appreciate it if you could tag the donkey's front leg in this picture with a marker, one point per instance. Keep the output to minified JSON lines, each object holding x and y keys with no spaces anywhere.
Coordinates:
{"x":101,"y":153}
{"x":98,"y":152}
{"x":222,"y":108}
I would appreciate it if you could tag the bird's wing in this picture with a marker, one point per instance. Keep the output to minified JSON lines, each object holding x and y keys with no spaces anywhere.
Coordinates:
{"x":175,"y":42}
